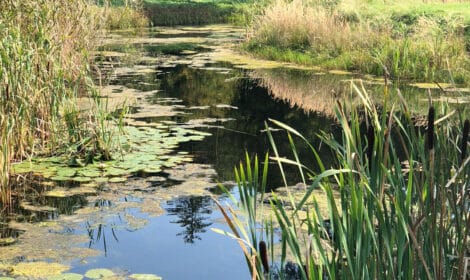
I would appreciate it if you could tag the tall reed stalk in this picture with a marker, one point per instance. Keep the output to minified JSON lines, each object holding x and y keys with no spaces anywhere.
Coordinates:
{"x":397,"y":198}
{"x":44,"y":66}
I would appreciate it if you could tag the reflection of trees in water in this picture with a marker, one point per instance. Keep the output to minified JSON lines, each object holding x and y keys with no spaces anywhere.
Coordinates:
{"x":254,"y":103}
{"x":192,"y":214}
{"x":304,"y":89}
{"x":97,"y":231}
{"x":67,"y":205}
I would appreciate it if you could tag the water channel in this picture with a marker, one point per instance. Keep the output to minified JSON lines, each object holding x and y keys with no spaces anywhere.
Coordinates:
{"x":184,"y":81}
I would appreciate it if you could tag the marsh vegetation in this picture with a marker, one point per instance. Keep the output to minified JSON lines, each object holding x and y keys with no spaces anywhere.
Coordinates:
{"x":115,"y":137}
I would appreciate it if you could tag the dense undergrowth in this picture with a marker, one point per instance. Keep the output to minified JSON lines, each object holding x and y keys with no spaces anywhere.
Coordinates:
{"x":397,"y":200}
{"x":420,"y":41}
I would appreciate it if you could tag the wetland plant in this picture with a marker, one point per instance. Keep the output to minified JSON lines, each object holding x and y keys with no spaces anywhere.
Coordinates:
{"x":396,"y":200}
{"x":123,"y":14}
{"x":44,"y":71}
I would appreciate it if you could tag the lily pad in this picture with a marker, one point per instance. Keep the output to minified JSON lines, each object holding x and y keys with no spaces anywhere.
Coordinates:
{"x":7,"y":241}
{"x":66,"y":172}
{"x":90,"y":172}
{"x":81,"y":179}
{"x":114,"y":172}
{"x":117,"y":179}
{"x":152,"y":170}
{"x":99,"y":273}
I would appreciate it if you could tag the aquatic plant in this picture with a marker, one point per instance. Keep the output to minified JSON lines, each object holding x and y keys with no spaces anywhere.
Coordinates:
{"x":44,"y":68}
{"x":396,"y":199}
{"x":249,"y":233}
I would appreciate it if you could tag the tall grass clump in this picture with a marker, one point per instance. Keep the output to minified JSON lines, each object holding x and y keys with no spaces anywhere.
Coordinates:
{"x":188,"y":13}
{"x":397,"y":199}
{"x":44,"y":66}
{"x":124,"y":14}
{"x":429,"y":47}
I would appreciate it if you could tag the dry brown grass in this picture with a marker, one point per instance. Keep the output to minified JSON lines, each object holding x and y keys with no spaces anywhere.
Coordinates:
{"x":125,"y":17}
{"x":299,"y":24}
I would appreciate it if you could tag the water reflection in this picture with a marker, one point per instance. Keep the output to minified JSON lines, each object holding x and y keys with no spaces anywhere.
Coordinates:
{"x":310,"y":91}
{"x":193,"y":214}
{"x":234,"y":108}
{"x":97,"y":235}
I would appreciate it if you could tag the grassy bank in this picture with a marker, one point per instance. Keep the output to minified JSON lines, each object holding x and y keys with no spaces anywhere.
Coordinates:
{"x":396,"y":205}
{"x":427,"y":42}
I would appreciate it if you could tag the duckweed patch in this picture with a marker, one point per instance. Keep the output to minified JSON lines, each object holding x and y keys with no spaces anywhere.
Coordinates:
{"x":174,"y":49}
{"x":35,"y":244}
{"x":37,"y":269}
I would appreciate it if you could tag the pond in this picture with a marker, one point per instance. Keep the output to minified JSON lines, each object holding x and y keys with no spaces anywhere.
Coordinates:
{"x":211,"y":105}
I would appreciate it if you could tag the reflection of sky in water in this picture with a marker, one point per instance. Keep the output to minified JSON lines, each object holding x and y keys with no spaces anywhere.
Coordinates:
{"x":175,"y":246}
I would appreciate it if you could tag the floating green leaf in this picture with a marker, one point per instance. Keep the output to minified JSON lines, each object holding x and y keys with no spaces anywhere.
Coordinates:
{"x":81,"y":179}
{"x":7,"y":241}
{"x":66,"y":172}
{"x":117,"y":179}
{"x":99,"y":273}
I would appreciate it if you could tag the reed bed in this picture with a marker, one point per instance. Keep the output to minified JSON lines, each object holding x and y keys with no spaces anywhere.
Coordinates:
{"x":423,"y":46}
{"x":397,"y":200}
{"x":45,"y":51}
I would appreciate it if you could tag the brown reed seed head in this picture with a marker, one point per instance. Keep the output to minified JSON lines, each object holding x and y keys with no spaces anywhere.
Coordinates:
{"x":430,"y":130}
{"x":263,"y":251}
{"x":466,"y":130}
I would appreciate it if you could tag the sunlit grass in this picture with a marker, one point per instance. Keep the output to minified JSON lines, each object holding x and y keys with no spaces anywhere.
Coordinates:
{"x":417,"y":44}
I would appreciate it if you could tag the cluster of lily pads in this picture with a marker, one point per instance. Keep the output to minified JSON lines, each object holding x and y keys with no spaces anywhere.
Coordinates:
{"x":144,"y":150}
